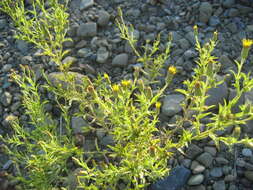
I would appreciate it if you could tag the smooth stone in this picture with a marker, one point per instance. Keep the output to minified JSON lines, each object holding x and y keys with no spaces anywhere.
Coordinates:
{"x":221,"y":160}
{"x":171,"y":104}
{"x":103,"y":18}
{"x":85,"y":4}
{"x":228,"y":3}
{"x":88,"y":29}
{"x":22,"y":46}
{"x":216,"y":172}
{"x":6,"y":99}
{"x":197,"y":167}
{"x":249,"y":175}
{"x":214,"y":21}
{"x":246,"y":152}
{"x":196,"y":179}
{"x":107,"y":140}
{"x":7,"y":165}
{"x":83,"y":52}
{"x":102,"y":55}
{"x":78,"y":124}
{"x":184,"y":44}
{"x":206,"y":159}
{"x":3,"y":23}
{"x":219,"y":185}
{"x":175,"y":181}
{"x":193,"y":151}
{"x":205,"y":12}
{"x":120,"y":60}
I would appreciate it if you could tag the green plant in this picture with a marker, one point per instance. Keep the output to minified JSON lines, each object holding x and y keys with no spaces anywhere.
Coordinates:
{"x":45,"y":27}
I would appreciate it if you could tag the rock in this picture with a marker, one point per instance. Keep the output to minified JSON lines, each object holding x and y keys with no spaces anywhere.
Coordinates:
{"x":225,"y":62}
{"x":221,"y":161}
{"x":184,"y":44}
{"x":217,"y":95}
{"x":6,"y":99}
{"x":206,"y":159}
{"x":175,"y":181}
{"x":219,"y":185}
{"x":205,"y":12}
{"x":83,"y":52}
{"x":189,"y":54}
{"x":232,"y":27}
{"x":171,"y":104}
{"x":249,"y":175}
{"x":216,"y":172}
{"x":77,"y":124}
{"x":197,"y":187}
{"x":88,"y":29}
{"x":69,"y":60}
{"x":249,"y":28}
{"x":193,"y":151}
{"x":120,"y":60}
{"x":107,"y":140}
{"x":211,"y":150}
{"x":190,"y":36}
{"x":22,"y":46}
{"x":240,"y":162}
{"x":85,"y":4}
{"x":228,"y":3}
{"x":197,"y":168}
{"x":3,"y":23}
{"x":7,"y":165}
{"x":102,"y":55}
{"x":229,"y":178}
{"x":196,"y":179}
{"x":103,"y":18}
{"x":214,"y":21}
{"x":246,"y":152}
{"x":8,"y":120}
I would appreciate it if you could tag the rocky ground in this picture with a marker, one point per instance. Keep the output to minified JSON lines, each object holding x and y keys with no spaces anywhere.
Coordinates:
{"x":97,"y":47}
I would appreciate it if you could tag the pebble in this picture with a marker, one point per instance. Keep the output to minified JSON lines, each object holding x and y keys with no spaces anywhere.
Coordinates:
{"x":211,"y":150}
{"x":175,"y":181}
{"x":197,"y":168}
{"x":85,"y":4}
{"x":205,"y":11}
{"x":102,"y":55}
{"x":246,"y":152}
{"x":7,"y":165}
{"x":87,"y":29}
{"x":83,"y":52}
{"x":216,"y":172}
{"x":171,"y":104}
{"x":196,"y":179}
{"x":3,"y":23}
{"x":22,"y":46}
{"x":240,"y":162}
{"x":249,"y":175}
{"x":206,"y":159}
{"x":103,"y":18}
{"x":78,"y":124}
{"x":221,"y":161}
{"x":120,"y":60}
{"x":219,"y":185}
{"x":6,"y":68}
{"x":107,"y":140}
{"x":193,"y":151}
{"x":228,"y":3}
{"x":6,"y":99}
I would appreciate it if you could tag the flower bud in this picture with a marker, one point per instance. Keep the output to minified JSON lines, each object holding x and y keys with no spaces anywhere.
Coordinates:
{"x":195,"y":28}
{"x":246,"y":44}
{"x":136,"y":72}
{"x":107,"y":78}
{"x":141,"y":85}
{"x":148,"y":92}
{"x":197,"y":86}
{"x":91,"y":90}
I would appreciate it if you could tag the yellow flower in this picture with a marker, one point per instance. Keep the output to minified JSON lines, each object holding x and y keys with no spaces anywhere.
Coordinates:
{"x":115,"y":88}
{"x":126,"y":83}
{"x":247,"y":43}
{"x":172,"y":70}
{"x":195,"y":28}
{"x":158,"y":105}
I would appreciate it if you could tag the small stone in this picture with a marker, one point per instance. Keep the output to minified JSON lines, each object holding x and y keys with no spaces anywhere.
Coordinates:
{"x":246,"y":152}
{"x":197,"y":187}
{"x":3,"y":23}
{"x":206,"y":159}
{"x":175,"y":181}
{"x":6,"y":99}
{"x":221,"y":161}
{"x":225,"y":62}
{"x":229,"y":178}
{"x":189,"y":54}
{"x":197,"y":168}
{"x":184,"y":44}
{"x":250,"y":28}
{"x":77,"y":124}
{"x":211,"y":150}
{"x":219,"y":185}
{"x":87,"y":29}
{"x":120,"y":60}
{"x":103,"y":18}
{"x":6,"y":68}
{"x":7,"y":165}
{"x":214,"y":21}
{"x":171,"y":104}
{"x":22,"y":46}
{"x":196,"y":179}
{"x":240,"y":162}
{"x":226,"y":169}
{"x":83,"y":52}
{"x":107,"y":140}
{"x":216,"y":172}
{"x":69,"y":60}
{"x":249,"y":175}
{"x":85,"y":4}
{"x":228,"y":3}
{"x":232,"y":27}
{"x":193,"y":151}
{"x":205,"y":11}
{"x":102,"y":55}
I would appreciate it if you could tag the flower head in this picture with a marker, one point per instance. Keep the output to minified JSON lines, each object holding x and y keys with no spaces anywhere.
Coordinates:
{"x":115,"y":88}
{"x":126,"y":83}
{"x":247,"y":43}
{"x":172,"y":70}
{"x":158,"y":105}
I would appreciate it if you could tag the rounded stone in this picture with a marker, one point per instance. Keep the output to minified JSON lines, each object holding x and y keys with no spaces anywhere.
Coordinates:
{"x":246,"y":152}
{"x":216,"y":172}
{"x":120,"y":60}
{"x":103,"y":18}
{"x":196,"y":179}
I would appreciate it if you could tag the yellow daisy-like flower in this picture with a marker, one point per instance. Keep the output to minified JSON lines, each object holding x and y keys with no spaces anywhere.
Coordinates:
{"x":172,"y":70}
{"x":247,"y":43}
{"x":115,"y":88}
{"x":126,"y":83}
{"x":158,"y":105}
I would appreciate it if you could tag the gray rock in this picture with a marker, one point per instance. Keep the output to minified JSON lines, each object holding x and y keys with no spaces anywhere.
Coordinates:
{"x":216,"y":172}
{"x":249,"y":175}
{"x":221,"y":161}
{"x":232,"y":27}
{"x":88,"y":29}
{"x":83,"y":52}
{"x":190,"y":36}
{"x":196,"y":167}
{"x":193,"y":151}
{"x":6,"y":68}
{"x":225,"y":62}
{"x":78,"y":124}
{"x":211,"y":150}
{"x":85,"y":4}
{"x":102,"y":55}
{"x":197,"y":187}
{"x":214,"y":21}
{"x":103,"y":18}
{"x":107,"y":140}
{"x":249,"y":28}
{"x":189,"y":54}
{"x":120,"y":60}
{"x":217,"y":95}
{"x":3,"y":23}
{"x":100,"y":133}
{"x":206,"y":159}
{"x":171,"y":104}
{"x":196,"y":179}
{"x":22,"y":46}
{"x":205,"y":12}
{"x":246,"y":152}
{"x":219,"y":185}
{"x":228,"y":3}
{"x":175,"y":181}
{"x":69,"y":60}
{"x":184,"y":44}
{"x":7,"y":165}
{"x":6,"y":99}
{"x":240,"y":162}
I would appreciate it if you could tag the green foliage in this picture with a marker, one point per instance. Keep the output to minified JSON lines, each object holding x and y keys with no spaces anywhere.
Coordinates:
{"x":44,"y":26}
{"x":128,"y":111}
